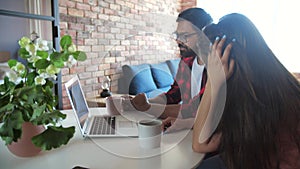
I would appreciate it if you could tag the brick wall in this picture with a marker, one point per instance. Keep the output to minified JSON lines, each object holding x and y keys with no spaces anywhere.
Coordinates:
{"x":184,"y":4}
{"x":117,"y":32}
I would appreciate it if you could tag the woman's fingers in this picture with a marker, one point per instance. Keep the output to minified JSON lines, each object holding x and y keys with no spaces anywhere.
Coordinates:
{"x":226,"y":53}
{"x":231,"y":68}
{"x":220,"y":44}
{"x":228,"y":65}
{"x":216,"y":56}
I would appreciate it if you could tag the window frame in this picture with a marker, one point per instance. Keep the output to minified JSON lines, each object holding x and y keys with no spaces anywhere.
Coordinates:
{"x":54,"y":19}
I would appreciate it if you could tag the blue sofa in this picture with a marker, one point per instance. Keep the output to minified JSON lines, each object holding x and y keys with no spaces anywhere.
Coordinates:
{"x":151,"y":79}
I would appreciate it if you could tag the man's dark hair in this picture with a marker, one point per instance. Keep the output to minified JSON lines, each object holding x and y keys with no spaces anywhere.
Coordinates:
{"x":197,"y":16}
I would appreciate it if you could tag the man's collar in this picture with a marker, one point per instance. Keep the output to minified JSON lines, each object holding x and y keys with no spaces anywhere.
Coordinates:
{"x":189,"y":60}
{"x":191,"y":56}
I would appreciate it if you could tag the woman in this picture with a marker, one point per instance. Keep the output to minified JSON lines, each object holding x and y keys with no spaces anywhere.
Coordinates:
{"x":260,"y":124}
{"x":259,"y":128}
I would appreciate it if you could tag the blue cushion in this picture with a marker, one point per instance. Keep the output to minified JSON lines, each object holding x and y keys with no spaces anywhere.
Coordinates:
{"x":139,"y":78}
{"x":173,"y":66}
{"x":162,"y":75}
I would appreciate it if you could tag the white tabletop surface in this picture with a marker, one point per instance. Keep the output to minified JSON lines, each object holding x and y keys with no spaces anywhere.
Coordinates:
{"x":108,"y":153}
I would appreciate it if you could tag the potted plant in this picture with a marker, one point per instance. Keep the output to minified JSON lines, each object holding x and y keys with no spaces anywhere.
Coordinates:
{"x":26,"y":96}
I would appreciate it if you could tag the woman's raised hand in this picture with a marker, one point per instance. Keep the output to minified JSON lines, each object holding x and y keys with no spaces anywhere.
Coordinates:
{"x":219,"y":67}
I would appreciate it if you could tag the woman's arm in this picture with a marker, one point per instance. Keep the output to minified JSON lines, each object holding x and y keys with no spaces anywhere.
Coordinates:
{"x":213,"y":101}
{"x":211,"y":145}
{"x":203,"y":111}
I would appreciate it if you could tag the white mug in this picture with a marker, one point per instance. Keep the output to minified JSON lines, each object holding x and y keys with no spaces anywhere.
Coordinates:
{"x":114,"y":105}
{"x":149,"y":133}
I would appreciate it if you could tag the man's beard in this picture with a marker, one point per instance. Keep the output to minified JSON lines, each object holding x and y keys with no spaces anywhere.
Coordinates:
{"x":186,"y":52}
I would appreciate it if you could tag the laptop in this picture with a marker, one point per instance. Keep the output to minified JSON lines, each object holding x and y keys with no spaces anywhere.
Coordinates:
{"x":92,"y":125}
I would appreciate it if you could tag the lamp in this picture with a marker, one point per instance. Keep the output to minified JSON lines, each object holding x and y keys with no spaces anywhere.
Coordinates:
{"x":105,"y":85}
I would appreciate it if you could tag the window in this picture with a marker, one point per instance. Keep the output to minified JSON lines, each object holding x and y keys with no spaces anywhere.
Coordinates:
{"x":275,"y":19}
{"x":22,"y":17}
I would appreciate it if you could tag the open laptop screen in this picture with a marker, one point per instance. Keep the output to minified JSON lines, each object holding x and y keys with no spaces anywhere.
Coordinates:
{"x":78,"y":102}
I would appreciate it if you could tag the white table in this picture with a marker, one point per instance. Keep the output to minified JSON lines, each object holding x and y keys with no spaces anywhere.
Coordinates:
{"x":108,"y":153}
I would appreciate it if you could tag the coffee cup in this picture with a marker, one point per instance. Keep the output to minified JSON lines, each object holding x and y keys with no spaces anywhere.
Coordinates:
{"x":114,"y":105}
{"x":126,"y":103}
{"x":149,"y":133}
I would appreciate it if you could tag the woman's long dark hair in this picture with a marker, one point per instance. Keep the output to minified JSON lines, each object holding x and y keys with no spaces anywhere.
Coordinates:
{"x":262,"y":102}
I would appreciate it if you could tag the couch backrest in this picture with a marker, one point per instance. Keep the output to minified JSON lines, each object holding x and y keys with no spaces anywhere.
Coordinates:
{"x":173,"y":66}
{"x":162,"y":75}
{"x":145,"y":78}
{"x":137,"y":79}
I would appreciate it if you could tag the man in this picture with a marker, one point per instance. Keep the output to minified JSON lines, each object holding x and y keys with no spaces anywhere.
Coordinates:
{"x":185,"y":94}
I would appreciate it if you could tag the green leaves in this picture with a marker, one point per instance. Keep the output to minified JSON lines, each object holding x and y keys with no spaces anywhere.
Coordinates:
{"x":53,"y":137}
{"x":52,"y":117}
{"x":12,"y":62}
{"x":42,"y":54}
{"x":80,"y":56}
{"x":27,"y":93}
{"x":30,"y":78}
{"x":23,"y":53}
{"x":57,"y":59}
{"x":37,"y":111}
{"x":65,"y":42}
{"x":42,"y":64}
{"x":11,"y":130}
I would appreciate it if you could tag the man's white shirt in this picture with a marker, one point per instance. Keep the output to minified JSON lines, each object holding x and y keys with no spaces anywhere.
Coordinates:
{"x":196,"y":78}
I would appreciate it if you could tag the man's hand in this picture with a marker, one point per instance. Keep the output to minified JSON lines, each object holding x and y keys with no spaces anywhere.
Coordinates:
{"x":140,"y":102}
{"x":172,"y":124}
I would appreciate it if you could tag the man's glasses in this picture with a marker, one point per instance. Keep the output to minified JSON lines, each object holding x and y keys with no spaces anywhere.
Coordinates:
{"x":182,"y":37}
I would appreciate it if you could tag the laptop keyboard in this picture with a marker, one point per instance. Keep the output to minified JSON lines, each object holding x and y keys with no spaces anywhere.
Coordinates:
{"x":103,"y":125}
